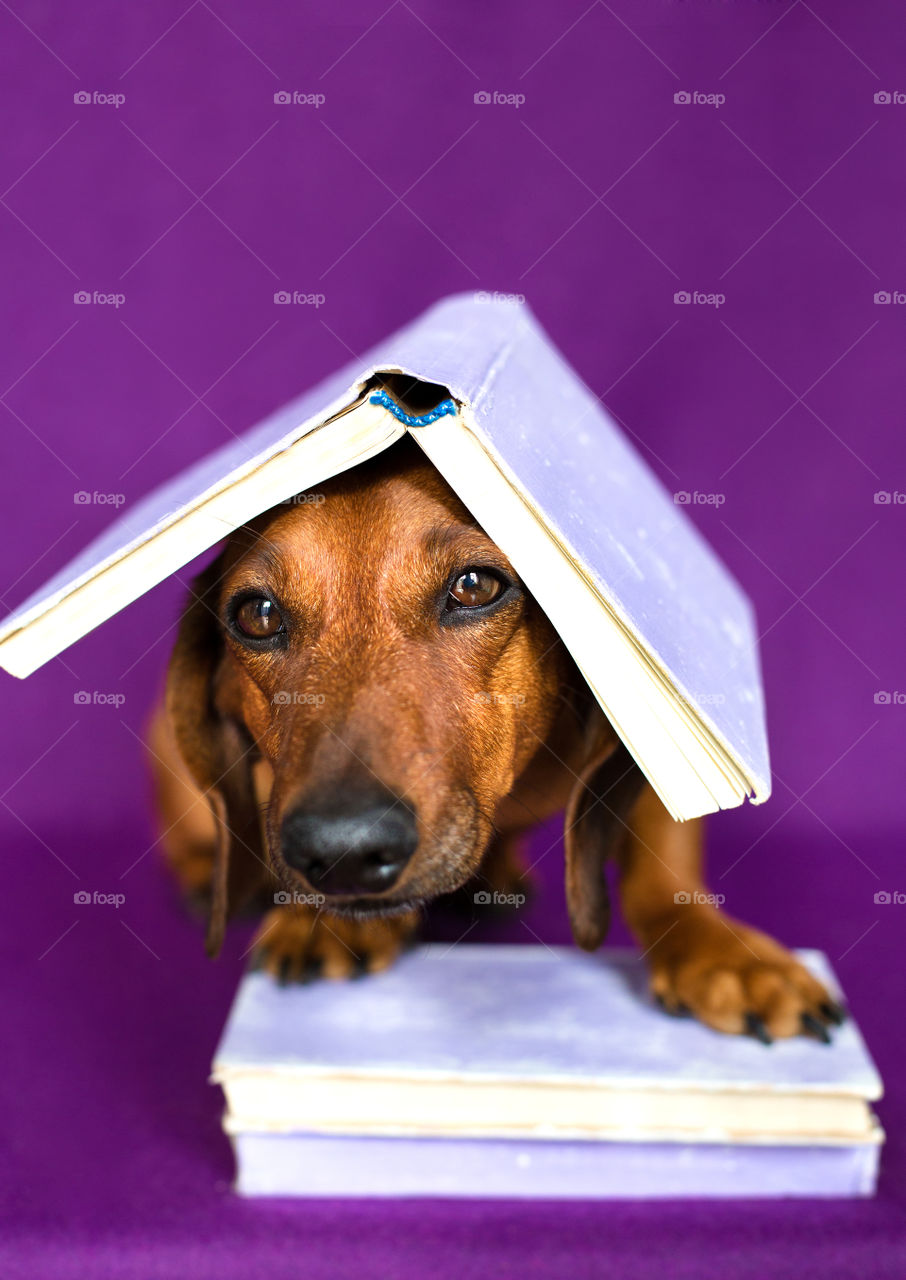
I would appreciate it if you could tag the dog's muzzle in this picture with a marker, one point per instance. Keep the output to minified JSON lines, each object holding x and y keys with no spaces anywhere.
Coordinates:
{"x":353,"y":850}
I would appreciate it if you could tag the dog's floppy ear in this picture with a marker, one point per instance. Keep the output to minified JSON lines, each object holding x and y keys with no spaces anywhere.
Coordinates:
{"x":217,"y":751}
{"x":607,"y":786}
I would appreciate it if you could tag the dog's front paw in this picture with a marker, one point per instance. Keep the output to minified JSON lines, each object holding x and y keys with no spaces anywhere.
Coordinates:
{"x":298,"y":944}
{"x":736,"y":979}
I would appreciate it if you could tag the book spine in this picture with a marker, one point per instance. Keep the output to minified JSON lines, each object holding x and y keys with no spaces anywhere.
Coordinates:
{"x":314,"y":1165}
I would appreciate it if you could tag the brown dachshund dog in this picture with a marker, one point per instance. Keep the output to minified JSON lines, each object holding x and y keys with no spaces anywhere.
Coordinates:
{"x":365,"y":709}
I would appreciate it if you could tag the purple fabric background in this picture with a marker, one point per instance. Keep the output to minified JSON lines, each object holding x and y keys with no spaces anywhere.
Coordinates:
{"x":599,"y":198}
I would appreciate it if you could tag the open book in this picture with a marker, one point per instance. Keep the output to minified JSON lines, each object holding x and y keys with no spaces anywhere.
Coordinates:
{"x":661,"y":632}
{"x":492,"y":1055}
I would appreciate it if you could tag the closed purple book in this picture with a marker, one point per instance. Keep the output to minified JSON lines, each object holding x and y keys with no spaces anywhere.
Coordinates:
{"x":294,"y":1165}
{"x":532,"y":1071}
{"x":659,"y":628}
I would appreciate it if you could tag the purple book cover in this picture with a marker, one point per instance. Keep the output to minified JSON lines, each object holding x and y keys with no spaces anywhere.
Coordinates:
{"x":560,"y":448}
{"x":524,"y":1012}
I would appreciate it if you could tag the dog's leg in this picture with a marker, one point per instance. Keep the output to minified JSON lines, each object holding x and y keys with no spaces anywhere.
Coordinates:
{"x":702,"y":961}
{"x":298,"y":943}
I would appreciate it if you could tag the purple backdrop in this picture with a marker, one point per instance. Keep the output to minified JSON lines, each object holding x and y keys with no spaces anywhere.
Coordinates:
{"x":749,"y":156}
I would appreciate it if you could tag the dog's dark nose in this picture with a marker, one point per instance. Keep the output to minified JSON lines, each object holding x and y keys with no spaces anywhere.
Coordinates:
{"x":355,"y":852}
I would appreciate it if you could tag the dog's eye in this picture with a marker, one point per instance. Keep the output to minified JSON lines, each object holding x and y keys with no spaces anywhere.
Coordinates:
{"x":474,"y":589}
{"x":258,"y":618}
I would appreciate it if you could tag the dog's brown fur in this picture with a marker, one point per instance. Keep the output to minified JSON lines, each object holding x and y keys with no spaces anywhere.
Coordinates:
{"x":481,"y":729}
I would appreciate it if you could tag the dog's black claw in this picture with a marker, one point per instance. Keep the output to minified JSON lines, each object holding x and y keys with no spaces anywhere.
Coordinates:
{"x":283,"y":977}
{"x":673,"y":1010}
{"x":360,"y":968}
{"x":755,"y":1027}
{"x":312,"y":971}
{"x":815,"y":1027}
{"x":833,"y":1012}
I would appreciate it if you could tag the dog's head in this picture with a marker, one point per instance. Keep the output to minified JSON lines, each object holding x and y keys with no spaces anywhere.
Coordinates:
{"x":377,"y":650}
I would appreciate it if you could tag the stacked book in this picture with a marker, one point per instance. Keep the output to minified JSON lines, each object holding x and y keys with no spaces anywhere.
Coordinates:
{"x":503,"y":1071}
